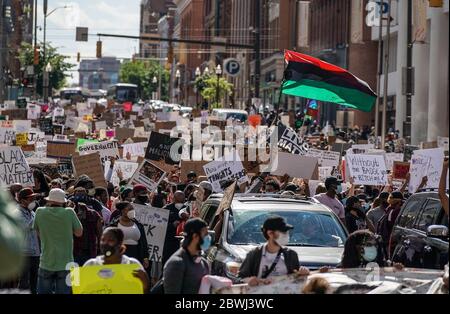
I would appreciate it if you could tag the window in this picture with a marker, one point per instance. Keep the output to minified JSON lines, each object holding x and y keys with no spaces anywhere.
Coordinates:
{"x":409,"y":213}
{"x":429,"y":214}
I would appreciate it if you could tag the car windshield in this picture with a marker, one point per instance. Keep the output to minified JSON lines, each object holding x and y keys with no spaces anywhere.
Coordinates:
{"x":310,"y":228}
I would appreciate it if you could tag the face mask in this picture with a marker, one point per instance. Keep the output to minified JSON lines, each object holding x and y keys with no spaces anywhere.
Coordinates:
{"x":91,"y":192}
{"x":80,"y":198}
{"x":131,"y":214}
{"x":206,"y":243}
{"x":143,"y":198}
{"x":283,"y":239}
{"x":108,"y":250}
{"x":370,"y":253}
{"x":32,"y":205}
{"x":179,"y":206}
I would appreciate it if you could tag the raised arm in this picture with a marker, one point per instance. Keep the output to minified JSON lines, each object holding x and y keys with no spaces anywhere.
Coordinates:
{"x":442,"y":187}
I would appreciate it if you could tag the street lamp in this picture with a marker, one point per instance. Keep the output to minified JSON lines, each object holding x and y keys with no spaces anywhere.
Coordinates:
{"x":48,"y":69}
{"x":178,"y":75}
{"x":218,"y":73}
{"x":206,"y":71}
{"x":154,"y":81}
{"x":197,"y":74}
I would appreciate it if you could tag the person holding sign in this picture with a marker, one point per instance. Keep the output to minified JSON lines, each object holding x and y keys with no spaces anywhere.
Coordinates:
{"x":113,"y":252}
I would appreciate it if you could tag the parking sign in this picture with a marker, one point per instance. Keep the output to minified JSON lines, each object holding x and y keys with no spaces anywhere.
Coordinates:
{"x":232,"y":67}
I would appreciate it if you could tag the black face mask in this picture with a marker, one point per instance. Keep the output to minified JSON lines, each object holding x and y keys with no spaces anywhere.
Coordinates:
{"x":108,"y":250}
{"x":143,"y":198}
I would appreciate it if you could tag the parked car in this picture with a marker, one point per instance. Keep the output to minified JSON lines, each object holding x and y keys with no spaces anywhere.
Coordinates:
{"x":420,"y":235}
{"x":318,"y":235}
{"x":225,"y":114}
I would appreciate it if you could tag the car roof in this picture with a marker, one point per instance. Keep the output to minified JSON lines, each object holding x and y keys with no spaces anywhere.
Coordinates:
{"x":231,"y":110}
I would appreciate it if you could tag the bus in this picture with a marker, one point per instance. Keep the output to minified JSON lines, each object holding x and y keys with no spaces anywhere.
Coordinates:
{"x":71,"y":93}
{"x":123,"y":93}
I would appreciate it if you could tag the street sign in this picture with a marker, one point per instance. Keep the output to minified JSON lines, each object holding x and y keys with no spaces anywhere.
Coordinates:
{"x":373,"y":13}
{"x":232,"y":67}
{"x":82,"y":34}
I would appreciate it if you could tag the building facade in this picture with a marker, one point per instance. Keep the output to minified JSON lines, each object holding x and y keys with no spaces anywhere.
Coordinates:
{"x":95,"y":74}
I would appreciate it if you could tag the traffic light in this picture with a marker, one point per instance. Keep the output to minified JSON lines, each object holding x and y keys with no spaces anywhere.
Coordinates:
{"x":78,"y":57}
{"x":36,"y":55}
{"x":99,"y":49}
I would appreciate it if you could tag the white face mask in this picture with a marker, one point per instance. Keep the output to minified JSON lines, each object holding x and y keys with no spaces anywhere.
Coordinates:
{"x":283,"y":239}
{"x":179,"y":205}
{"x":131,"y":214}
{"x":32,"y":205}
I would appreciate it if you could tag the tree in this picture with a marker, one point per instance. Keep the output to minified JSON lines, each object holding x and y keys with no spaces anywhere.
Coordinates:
{"x":142,"y":73}
{"x":209,"y":90}
{"x":60,"y":66}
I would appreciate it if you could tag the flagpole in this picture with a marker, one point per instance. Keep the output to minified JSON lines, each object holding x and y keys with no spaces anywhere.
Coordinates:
{"x":380,"y":72}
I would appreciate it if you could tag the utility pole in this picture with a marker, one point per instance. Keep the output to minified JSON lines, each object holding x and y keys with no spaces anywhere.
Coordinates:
{"x":386,"y":76}
{"x":35,"y":45}
{"x":380,"y":72}
{"x":3,"y":51}
{"x":257,"y":46}
{"x":409,"y":67}
{"x":45,"y":81}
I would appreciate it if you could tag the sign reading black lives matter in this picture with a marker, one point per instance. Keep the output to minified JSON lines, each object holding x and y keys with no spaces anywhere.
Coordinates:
{"x":14,"y":168}
{"x":289,"y":141}
{"x":159,"y":148}
{"x":155,"y":222}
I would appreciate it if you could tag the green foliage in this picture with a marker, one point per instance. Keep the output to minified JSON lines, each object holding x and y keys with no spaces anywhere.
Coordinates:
{"x":142,"y":74}
{"x":209,"y":90}
{"x":57,"y":61}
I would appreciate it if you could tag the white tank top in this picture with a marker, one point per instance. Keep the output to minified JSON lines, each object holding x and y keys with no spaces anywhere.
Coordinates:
{"x":131,"y":234}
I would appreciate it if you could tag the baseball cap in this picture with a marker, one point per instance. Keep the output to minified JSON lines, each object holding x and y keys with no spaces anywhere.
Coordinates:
{"x":140,"y":189}
{"x":397,"y":195}
{"x":206,"y":185}
{"x":25,"y":193}
{"x":194,"y":225}
{"x":277,"y":223}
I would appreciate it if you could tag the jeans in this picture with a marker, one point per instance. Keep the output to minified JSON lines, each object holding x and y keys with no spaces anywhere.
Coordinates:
{"x":50,"y":282}
{"x":29,"y":276}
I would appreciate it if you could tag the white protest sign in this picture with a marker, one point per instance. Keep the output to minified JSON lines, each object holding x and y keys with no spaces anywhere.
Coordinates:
{"x":58,"y":112}
{"x":40,"y":150}
{"x":418,"y":169}
{"x":7,"y":135}
{"x":138,"y":109}
{"x":442,"y":142}
{"x":434,"y":169}
{"x":34,"y":112}
{"x":367,"y":169}
{"x":204,"y":117}
{"x":391,"y":157}
{"x":326,"y":158}
{"x":162,"y":116}
{"x":127,"y":168}
{"x":82,"y":127}
{"x":135,"y":149}
{"x":360,"y":148}
{"x":149,"y":175}
{"x":296,"y":166}
{"x":60,"y":138}
{"x":107,"y":150}
{"x":226,"y":168}
{"x":35,"y":136}
{"x":22,"y":126}
{"x":72,"y":122}
{"x":14,"y":167}
{"x":100,"y":125}
{"x":325,"y":172}
{"x":155,"y":222}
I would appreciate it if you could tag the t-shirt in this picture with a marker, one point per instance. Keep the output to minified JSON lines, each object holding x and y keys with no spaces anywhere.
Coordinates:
{"x":56,"y":226}
{"x":131,"y":234}
{"x":267,"y":260}
{"x":100,"y":260}
{"x":332,"y":203}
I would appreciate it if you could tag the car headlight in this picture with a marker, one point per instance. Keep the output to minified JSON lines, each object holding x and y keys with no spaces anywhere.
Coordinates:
{"x":232,"y":269}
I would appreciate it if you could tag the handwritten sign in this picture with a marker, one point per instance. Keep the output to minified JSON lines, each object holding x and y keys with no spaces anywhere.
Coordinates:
{"x":107,"y":150}
{"x":326,"y":158}
{"x":21,"y":139}
{"x":419,"y":167}
{"x":434,"y":169}
{"x":126,"y":167}
{"x":14,"y":168}
{"x":367,"y":169}
{"x":155,"y":222}
{"x":135,"y":149}
{"x":400,"y":170}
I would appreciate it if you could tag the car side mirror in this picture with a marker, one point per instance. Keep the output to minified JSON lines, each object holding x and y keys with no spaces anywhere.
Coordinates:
{"x":213,"y":236}
{"x":437,"y":231}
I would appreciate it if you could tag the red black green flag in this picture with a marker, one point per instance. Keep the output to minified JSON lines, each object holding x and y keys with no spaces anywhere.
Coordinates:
{"x":312,"y":78}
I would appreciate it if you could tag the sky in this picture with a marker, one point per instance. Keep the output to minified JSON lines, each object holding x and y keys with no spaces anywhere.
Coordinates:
{"x":100,"y":16}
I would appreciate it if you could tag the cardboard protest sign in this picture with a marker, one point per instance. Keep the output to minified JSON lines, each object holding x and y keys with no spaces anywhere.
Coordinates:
{"x":99,"y":125}
{"x":164,"y":125}
{"x":135,"y":149}
{"x":128,"y":168}
{"x":164,"y":147}
{"x":107,"y":150}
{"x":418,"y":169}
{"x":91,"y":166}
{"x":35,"y":136}
{"x":60,"y":149}
{"x":188,"y":165}
{"x":367,"y":169}
{"x":14,"y":168}
{"x":400,"y":170}
{"x":155,"y":222}
{"x":227,"y":199}
{"x":16,"y":114}
{"x":428,"y":145}
{"x":106,"y":279}
{"x":434,"y":170}
{"x":289,"y":141}
{"x":124,"y":133}
{"x":295,"y":166}
{"x":326,"y":158}
{"x":223,"y":169}
{"x":149,"y":175}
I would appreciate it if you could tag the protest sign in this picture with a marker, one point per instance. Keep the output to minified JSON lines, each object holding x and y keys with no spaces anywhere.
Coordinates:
{"x":188,"y":165}
{"x":107,"y":150}
{"x":418,"y":169}
{"x":106,"y":279}
{"x":442,"y":142}
{"x":45,"y":125}
{"x":135,"y":149}
{"x":325,"y":172}
{"x":126,"y":167}
{"x":428,"y":145}
{"x":14,"y":167}
{"x":164,"y":125}
{"x":34,"y":112}
{"x":83,"y":141}
{"x":164,"y":147}
{"x":91,"y":166}
{"x":367,"y":169}
{"x":226,"y":168}
{"x":99,"y":125}
{"x":124,"y":133}
{"x":326,"y":158}
{"x":340,"y":147}
{"x":7,"y":135}
{"x":313,"y":184}
{"x":22,"y":126}
{"x":60,"y":138}
{"x":16,"y":114}
{"x":295,"y":166}
{"x":400,"y":170}
{"x":21,"y":139}
{"x":149,"y":175}
{"x":227,"y":199}
{"x":391,"y":158}
{"x":289,"y":141}
{"x":360,"y":148}
{"x":60,"y":149}
{"x":35,"y":136}
{"x":58,"y":129}
{"x":434,"y":169}
{"x":155,"y":222}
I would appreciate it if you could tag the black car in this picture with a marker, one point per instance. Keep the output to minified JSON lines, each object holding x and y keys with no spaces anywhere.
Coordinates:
{"x":420,"y":235}
{"x":318,"y":236}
